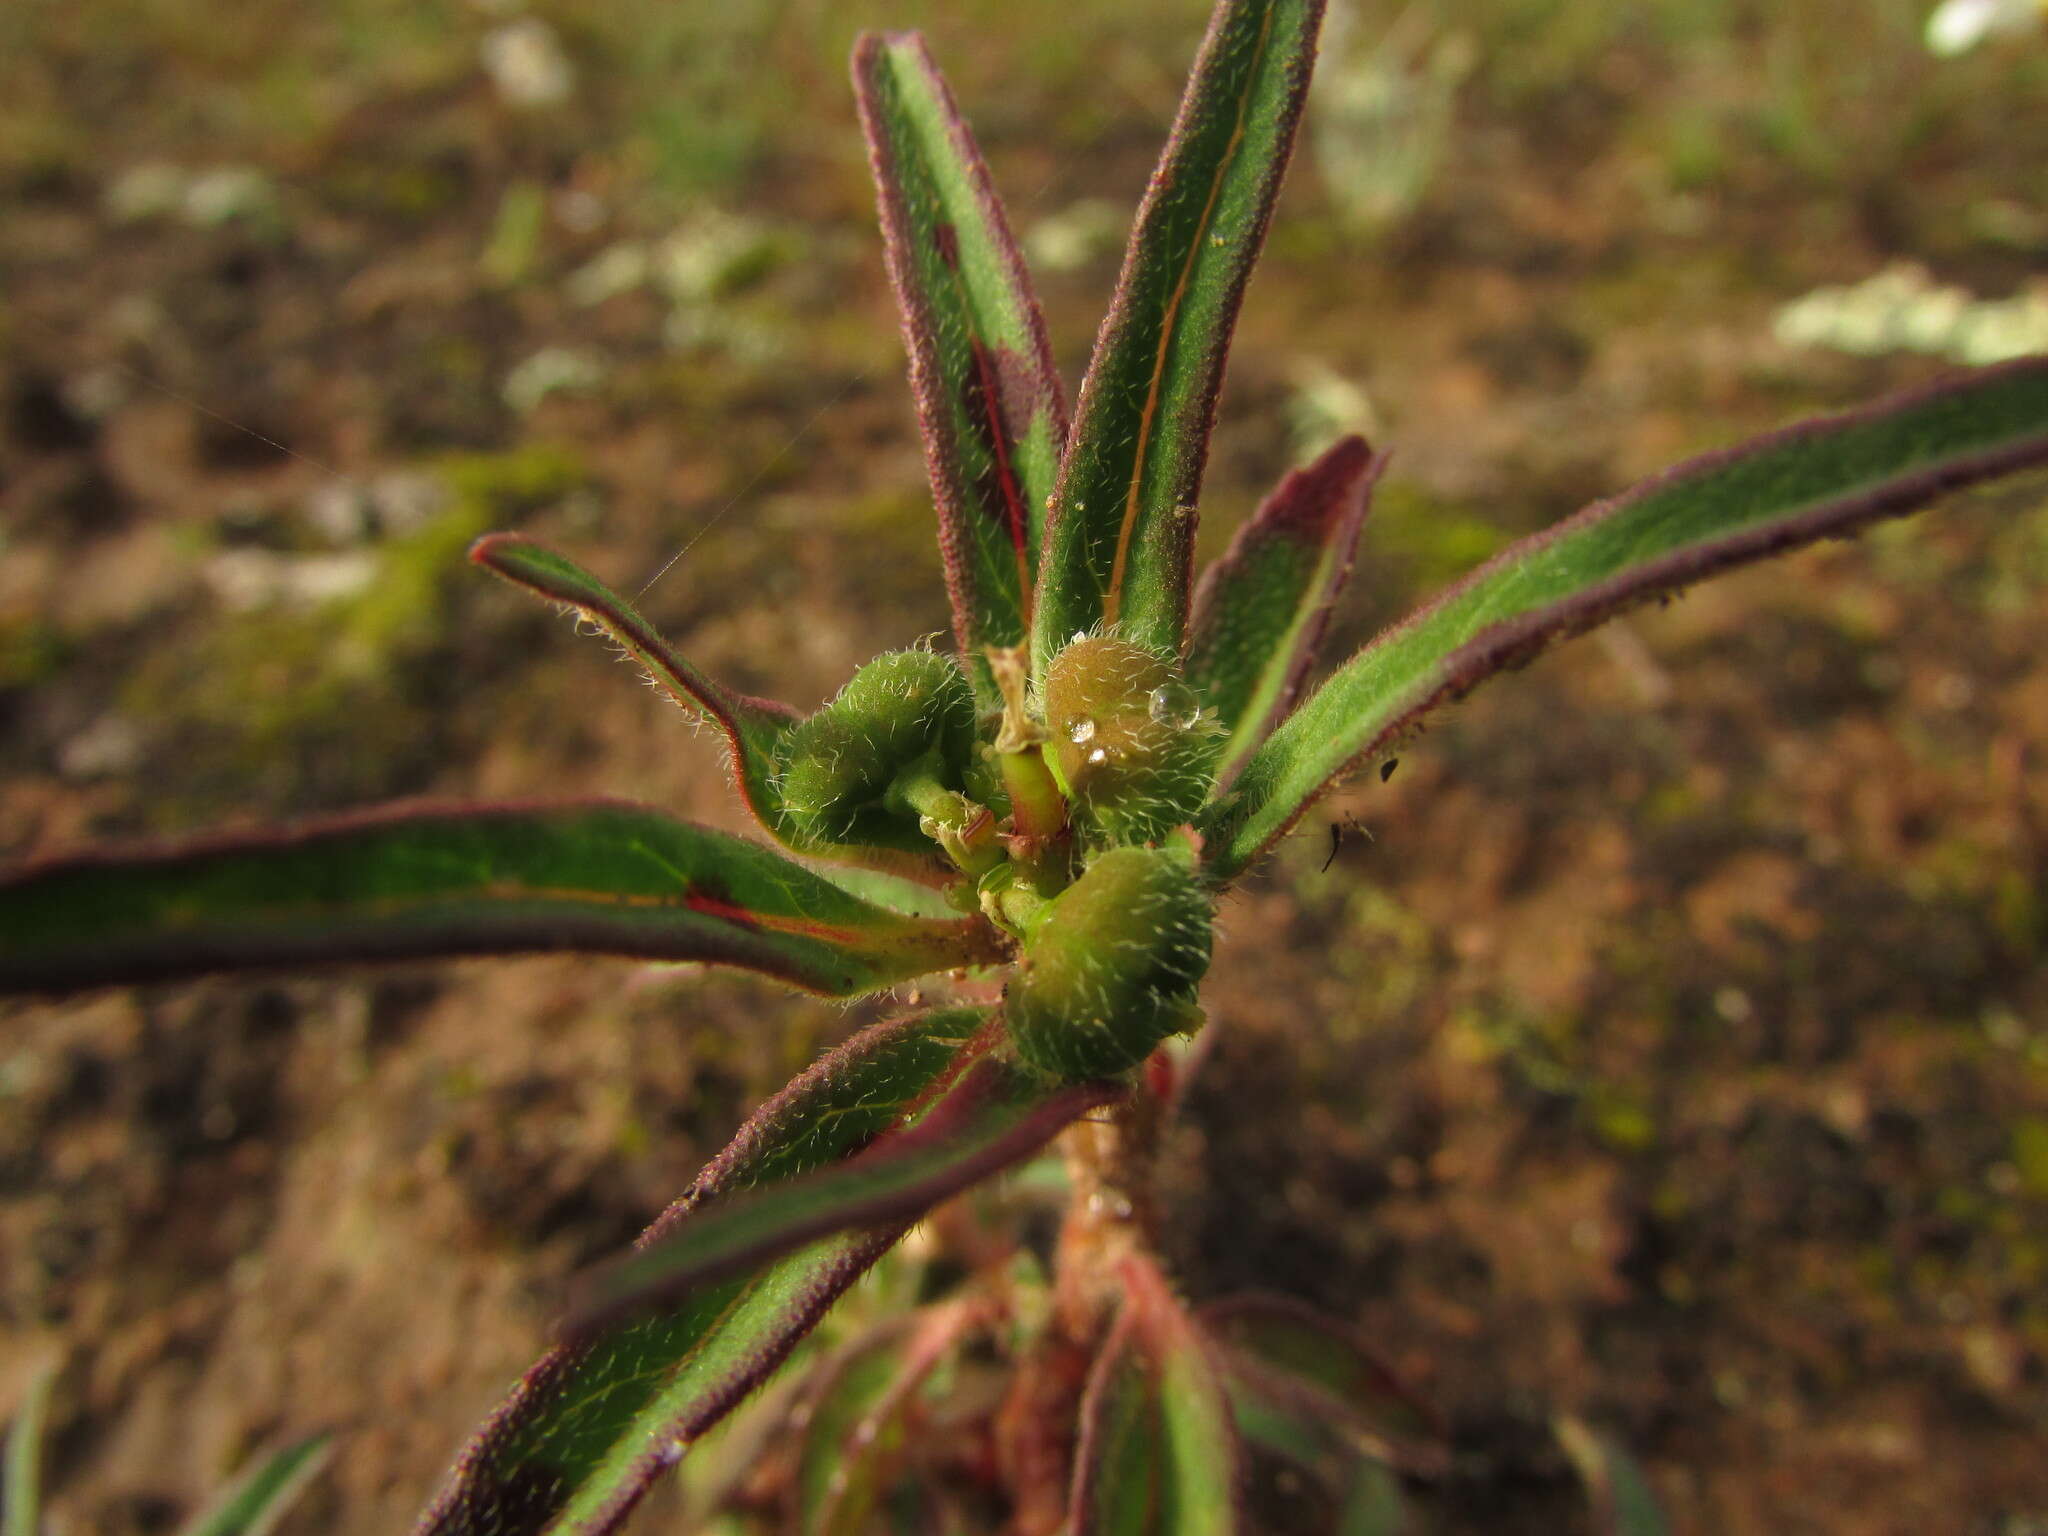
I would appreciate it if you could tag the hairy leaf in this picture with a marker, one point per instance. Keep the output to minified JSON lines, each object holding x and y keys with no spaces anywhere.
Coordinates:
{"x":1121,"y":538}
{"x":751,"y":727}
{"x":1158,"y":1452}
{"x":21,"y":1495}
{"x":988,"y":397}
{"x":264,"y":1494}
{"x":997,"y":1114}
{"x":425,"y":881}
{"x":598,"y":1419}
{"x":1823,"y":478}
{"x":1260,"y":611}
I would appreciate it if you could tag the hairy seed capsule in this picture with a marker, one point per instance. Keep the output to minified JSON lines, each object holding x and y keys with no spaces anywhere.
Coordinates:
{"x":902,"y":711}
{"x":1110,"y":967}
{"x":1128,"y":739}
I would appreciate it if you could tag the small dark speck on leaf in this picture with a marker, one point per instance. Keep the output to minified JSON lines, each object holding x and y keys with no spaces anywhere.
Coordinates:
{"x":1387,"y":768}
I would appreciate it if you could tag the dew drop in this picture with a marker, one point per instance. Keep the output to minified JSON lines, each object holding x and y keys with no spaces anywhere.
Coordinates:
{"x":1098,"y":755}
{"x":1083,"y":730}
{"x":1174,"y":704}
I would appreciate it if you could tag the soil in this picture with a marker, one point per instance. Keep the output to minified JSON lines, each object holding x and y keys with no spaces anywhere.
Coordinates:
{"x":1664,"y":1043}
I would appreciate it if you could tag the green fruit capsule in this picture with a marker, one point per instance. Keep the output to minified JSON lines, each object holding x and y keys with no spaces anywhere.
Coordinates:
{"x":904,"y":713}
{"x":1129,"y":742}
{"x":1111,"y":965}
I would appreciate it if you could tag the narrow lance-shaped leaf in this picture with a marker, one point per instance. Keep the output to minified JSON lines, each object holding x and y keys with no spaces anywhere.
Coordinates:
{"x":1823,"y":478}
{"x":1298,"y":1363}
{"x":1158,"y":1451}
{"x":1121,"y":539}
{"x":996,"y":1115}
{"x":263,"y":1495}
{"x":1622,"y":1500}
{"x":592,"y":1425}
{"x":21,"y":1496}
{"x":1306,"y":1388}
{"x":751,"y":727}
{"x":1365,"y":1491}
{"x":981,"y":369}
{"x":856,"y":1433}
{"x":1260,"y":611}
{"x":427,"y":881}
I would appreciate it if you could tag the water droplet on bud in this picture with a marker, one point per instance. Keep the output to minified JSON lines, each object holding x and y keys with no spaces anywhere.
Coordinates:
{"x":1083,"y":731}
{"x":1099,"y":755}
{"x":1174,"y":704}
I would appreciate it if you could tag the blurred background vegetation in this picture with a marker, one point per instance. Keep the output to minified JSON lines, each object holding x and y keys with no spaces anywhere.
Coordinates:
{"x":1673,"y":1053}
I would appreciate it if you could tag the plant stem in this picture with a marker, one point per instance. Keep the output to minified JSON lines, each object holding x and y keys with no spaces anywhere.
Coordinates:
{"x":1037,"y":807}
{"x":964,"y":829}
{"x":1113,"y":1211}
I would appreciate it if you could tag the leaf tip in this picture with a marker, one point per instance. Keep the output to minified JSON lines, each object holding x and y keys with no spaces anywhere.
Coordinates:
{"x":489,"y":550}
{"x":873,"y":48}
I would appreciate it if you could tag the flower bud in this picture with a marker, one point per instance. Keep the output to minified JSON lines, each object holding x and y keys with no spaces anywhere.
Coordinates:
{"x":904,"y":711}
{"x":1129,"y":742}
{"x":1111,"y":965}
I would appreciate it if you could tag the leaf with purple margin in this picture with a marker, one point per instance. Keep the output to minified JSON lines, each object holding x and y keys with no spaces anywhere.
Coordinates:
{"x":1120,"y":542}
{"x":996,"y":1115}
{"x":431,"y":881}
{"x":1260,"y":611}
{"x":1820,"y":479}
{"x":981,"y":370}
{"x":751,"y":727}
{"x":1158,"y":1453}
{"x":856,"y":1432}
{"x":598,"y":1419}
{"x":1301,"y":1361}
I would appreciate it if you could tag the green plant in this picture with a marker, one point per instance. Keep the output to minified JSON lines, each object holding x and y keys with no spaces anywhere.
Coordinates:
{"x":1048,"y":822}
{"x":249,"y":1506}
